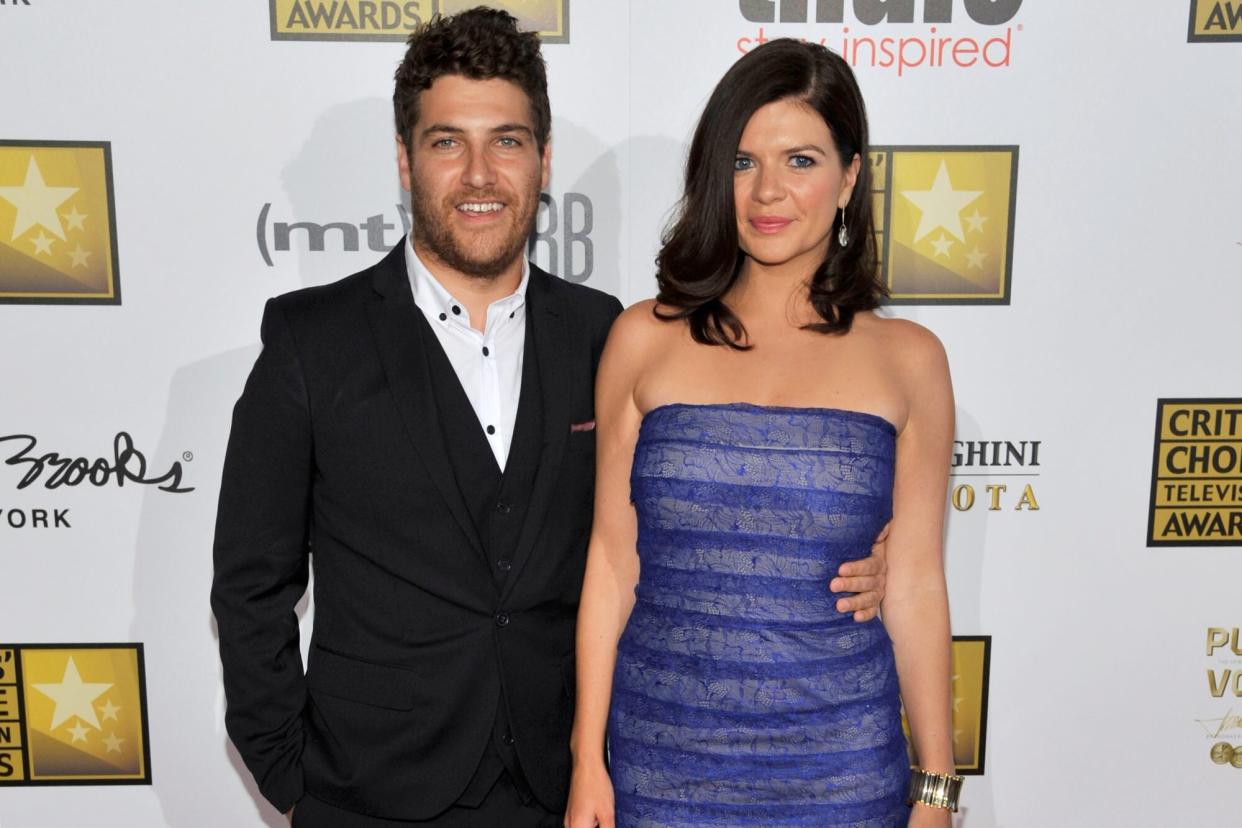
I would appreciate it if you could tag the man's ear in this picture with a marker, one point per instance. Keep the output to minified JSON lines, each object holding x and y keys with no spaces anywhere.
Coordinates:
{"x":546,"y":163}
{"x":403,"y":163}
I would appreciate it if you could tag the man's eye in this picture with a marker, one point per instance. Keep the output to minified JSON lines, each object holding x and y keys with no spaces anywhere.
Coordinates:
{"x":443,"y":142}
{"x":509,"y":141}
{"x":742,"y":163}
{"x":801,"y":161}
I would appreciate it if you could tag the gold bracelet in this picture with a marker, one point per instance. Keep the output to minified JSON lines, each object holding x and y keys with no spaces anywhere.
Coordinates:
{"x":938,"y":790}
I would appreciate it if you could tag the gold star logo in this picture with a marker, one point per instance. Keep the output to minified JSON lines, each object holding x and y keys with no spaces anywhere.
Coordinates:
{"x":73,"y":696}
{"x":944,"y":217}
{"x":57,"y":235}
{"x":941,"y":205}
{"x":83,"y":713}
{"x":36,"y":202}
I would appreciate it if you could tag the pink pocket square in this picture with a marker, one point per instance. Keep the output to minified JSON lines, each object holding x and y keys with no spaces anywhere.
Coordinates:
{"x":589,"y":425}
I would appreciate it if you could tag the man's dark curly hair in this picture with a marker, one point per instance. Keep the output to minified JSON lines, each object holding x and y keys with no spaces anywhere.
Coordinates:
{"x":480,"y":44}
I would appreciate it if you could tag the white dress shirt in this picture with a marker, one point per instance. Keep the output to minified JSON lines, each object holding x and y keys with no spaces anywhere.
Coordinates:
{"x":488,"y":364}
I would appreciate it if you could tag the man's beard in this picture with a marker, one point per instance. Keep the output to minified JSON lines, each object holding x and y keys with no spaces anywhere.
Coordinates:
{"x":483,"y":255}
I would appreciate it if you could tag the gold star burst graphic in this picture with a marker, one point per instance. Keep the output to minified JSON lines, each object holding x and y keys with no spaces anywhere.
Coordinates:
{"x":945,"y":216}
{"x":84,"y":713}
{"x":57,"y":235}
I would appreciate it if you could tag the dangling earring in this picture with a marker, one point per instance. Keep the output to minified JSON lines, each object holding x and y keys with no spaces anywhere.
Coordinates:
{"x":843,"y":234}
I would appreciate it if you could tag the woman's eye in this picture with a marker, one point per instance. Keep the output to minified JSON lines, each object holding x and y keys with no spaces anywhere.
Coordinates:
{"x":742,"y":163}
{"x":801,"y":161}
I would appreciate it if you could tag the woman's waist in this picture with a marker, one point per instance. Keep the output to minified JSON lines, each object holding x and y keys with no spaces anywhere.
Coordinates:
{"x":751,"y":641}
{"x":742,"y":600}
{"x":675,"y":554}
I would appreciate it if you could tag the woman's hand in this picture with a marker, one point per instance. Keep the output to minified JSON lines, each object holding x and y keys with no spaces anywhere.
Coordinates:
{"x":925,"y":816}
{"x":590,"y":798}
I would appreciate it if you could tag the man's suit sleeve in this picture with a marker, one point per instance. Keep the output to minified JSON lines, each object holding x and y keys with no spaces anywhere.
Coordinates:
{"x":261,"y":564}
{"x":611,"y":310}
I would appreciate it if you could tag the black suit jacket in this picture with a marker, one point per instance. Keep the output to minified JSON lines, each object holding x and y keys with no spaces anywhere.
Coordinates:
{"x":335,"y":449}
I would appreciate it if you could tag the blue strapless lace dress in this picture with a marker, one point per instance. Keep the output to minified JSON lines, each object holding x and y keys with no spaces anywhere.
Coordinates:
{"x":741,"y":697}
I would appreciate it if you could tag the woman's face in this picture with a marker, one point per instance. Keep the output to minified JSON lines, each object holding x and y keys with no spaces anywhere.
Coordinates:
{"x":788,"y":184}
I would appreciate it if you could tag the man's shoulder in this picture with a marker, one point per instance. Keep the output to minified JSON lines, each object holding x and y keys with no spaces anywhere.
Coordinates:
{"x":582,"y":300}
{"x":333,"y":297}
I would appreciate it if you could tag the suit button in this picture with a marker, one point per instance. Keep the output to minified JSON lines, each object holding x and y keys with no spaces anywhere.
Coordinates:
{"x":504,"y":564}
{"x":502,"y":619}
{"x":504,"y":508}
{"x":508,"y":738}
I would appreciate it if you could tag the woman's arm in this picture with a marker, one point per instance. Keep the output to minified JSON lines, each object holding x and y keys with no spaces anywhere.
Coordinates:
{"x":916,"y":609}
{"x":612,"y":565}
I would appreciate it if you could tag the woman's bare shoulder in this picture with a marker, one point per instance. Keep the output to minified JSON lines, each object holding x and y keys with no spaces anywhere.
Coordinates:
{"x":639,"y":330}
{"x":908,"y":343}
{"x":920,"y":367}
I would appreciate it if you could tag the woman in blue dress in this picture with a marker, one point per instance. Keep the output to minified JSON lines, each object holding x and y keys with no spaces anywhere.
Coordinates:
{"x":758,"y":424}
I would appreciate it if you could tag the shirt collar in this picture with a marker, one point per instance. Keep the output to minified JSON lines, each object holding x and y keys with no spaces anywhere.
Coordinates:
{"x":434,"y":300}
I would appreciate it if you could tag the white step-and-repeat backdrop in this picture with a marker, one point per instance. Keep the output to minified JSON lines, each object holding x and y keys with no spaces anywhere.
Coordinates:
{"x":1058,"y":191}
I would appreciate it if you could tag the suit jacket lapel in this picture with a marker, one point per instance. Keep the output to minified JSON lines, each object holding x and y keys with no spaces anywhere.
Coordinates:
{"x":552,"y":346}
{"x":394,"y":320}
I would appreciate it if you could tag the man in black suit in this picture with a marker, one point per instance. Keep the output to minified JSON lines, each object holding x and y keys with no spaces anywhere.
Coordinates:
{"x":425,"y":428}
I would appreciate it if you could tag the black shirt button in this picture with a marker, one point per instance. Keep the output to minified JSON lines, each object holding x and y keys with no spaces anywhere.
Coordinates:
{"x":502,"y":619}
{"x":443,"y":316}
{"x":486,"y":352}
{"x":456,"y":311}
{"x":508,"y":738}
{"x":491,"y":429}
{"x":504,"y":508}
{"x":504,"y":564}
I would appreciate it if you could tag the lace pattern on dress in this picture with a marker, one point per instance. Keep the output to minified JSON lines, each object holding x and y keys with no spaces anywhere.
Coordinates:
{"x":741,"y":696}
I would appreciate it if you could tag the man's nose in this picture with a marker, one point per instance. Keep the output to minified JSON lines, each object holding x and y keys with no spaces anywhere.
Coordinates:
{"x":479,"y":172}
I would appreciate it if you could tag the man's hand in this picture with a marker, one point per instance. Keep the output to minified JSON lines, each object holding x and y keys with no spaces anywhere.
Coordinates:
{"x":866,"y":579}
